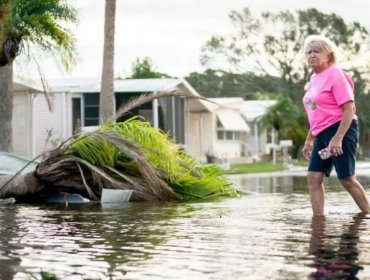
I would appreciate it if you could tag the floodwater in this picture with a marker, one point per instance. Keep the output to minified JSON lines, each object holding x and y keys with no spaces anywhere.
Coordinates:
{"x":268,"y":234}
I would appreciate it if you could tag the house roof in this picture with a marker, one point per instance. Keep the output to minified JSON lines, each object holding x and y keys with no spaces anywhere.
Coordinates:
{"x":146,"y":85}
{"x":227,"y":110}
{"x":23,"y":84}
{"x":212,"y":104}
{"x":224,"y":102}
{"x":87,"y":85}
{"x":73,"y":84}
{"x":232,"y":120}
{"x":254,"y":109}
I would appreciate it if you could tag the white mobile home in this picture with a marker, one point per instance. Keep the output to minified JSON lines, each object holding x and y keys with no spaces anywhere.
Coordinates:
{"x":75,"y":103}
{"x":260,"y":140}
{"x":218,"y":130}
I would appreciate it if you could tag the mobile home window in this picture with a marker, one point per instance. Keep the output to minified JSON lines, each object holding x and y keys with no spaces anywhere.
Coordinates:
{"x":229,"y":135}
{"x":220,"y":135}
{"x":90,"y":109}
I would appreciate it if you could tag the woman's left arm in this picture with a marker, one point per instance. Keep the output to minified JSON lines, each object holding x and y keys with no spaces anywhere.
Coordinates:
{"x":335,"y":145}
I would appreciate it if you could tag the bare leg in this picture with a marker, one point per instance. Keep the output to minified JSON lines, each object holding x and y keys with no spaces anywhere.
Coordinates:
{"x":358,"y":193}
{"x":316,"y":187}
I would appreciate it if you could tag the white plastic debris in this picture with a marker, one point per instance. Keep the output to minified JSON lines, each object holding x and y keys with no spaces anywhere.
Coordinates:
{"x":115,"y":196}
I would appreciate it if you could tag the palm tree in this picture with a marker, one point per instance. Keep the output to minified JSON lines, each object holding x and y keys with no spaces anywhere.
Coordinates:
{"x":106,"y":109}
{"x":23,"y":24}
{"x":126,"y":155}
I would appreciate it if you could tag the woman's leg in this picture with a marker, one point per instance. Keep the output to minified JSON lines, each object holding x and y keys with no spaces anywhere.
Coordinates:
{"x":356,"y":190}
{"x":316,"y":187}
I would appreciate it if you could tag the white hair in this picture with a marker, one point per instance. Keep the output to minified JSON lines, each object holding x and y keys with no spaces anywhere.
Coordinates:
{"x":323,"y":44}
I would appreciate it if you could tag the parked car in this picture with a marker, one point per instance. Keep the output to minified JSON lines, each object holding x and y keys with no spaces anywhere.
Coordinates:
{"x":11,"y":163}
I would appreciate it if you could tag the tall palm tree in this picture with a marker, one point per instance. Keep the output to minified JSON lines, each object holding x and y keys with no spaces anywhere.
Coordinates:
{"x":23,"y":24}
{"x":106,"y":109}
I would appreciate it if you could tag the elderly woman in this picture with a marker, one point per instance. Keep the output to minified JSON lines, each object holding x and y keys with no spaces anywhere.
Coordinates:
{"x":333,"y":134}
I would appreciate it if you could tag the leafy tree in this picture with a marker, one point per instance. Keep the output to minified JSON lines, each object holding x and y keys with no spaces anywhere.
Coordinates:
{"x":106,"y":100}
{"x":144,"y":69}
{"x":219,"y":83}
{"x":23,"y":24}
{"x":208,"y":83}
{"x":287,"y":118}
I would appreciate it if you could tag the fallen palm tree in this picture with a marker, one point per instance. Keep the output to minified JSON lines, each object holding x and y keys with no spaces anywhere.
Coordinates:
{"x":129,"y":155}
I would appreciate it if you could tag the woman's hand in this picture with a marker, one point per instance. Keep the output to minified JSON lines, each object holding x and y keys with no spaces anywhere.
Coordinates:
{"x":307,"y":150}
{"x":335,"y":146}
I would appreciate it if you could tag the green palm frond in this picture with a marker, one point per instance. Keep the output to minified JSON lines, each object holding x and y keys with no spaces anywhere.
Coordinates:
{"x":30,"y":14}
{"x":106,"y":149}
{"x":212,"y":183}
{"x":40,"y":22}
{"x":160,"y":151}
{"x":134,"y":155}
{"x":95,"y":150}
{"x":131,"y":155}
{"x":190,"y":188}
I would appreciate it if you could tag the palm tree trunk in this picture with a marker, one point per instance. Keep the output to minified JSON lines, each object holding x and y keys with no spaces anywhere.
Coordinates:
{"x":106,"y":110}
{"x":6,"y":107}
{"x":19,"y":186}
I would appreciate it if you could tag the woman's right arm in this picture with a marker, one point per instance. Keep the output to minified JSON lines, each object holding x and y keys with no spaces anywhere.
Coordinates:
{"x":308,"y":145}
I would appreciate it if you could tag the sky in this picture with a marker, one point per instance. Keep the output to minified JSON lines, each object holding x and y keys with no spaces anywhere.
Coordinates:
{"x":170,"y":32}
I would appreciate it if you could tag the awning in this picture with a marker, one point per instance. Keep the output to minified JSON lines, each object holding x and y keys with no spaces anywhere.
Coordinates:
{"x":232,"y":120}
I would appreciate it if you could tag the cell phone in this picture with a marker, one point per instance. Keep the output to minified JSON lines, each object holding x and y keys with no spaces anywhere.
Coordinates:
{"x":325,"y":153}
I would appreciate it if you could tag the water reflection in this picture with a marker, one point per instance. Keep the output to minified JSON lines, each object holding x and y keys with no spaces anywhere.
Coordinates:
{"x":284,"y":184}
{"x":335,"y":257}
{"x":81,"y":240}
{"x":268,"y":235}
{"x":8,"y":263}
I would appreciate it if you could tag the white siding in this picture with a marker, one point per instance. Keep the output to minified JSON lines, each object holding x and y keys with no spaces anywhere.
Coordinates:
{"x":48,"y":121}
{"x":227,"y":149}
{"x":194,"y":144}
{"x":22,"y":125}
{"x":209,"y":130}
{"x":200,"y":135}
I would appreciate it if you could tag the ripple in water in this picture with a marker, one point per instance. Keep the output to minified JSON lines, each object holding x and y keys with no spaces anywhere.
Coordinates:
{"x":265,"y":235}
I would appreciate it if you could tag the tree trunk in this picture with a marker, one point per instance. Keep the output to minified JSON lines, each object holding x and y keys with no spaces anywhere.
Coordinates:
{"x":6,"y":107}
{"x":20,"y":186}
{"x":106,"y":109}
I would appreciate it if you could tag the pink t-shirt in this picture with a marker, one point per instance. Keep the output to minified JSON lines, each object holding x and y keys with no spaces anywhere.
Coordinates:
{"x":326,"y":92}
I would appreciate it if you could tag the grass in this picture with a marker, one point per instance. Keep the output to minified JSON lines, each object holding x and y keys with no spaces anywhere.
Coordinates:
{"x":254,"y":168}
{"x":48,"y":276}
{"x":301,"y":162}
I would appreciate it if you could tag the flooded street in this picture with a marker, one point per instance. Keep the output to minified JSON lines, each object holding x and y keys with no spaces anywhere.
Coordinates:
{"x":268,"y":234}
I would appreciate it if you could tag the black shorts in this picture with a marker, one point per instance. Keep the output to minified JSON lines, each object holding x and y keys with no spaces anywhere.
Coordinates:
{"x":345,"y":163}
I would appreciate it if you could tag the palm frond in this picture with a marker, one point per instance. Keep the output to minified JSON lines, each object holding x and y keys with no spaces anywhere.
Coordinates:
{"x":177,"y":168}
{"x":103,"y":148}
{"x":134,"y":155}
{"x":212,"y":183}
{"x":148,"y":97}
{"x":40,"y":22}
{"x":159,"y":150}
